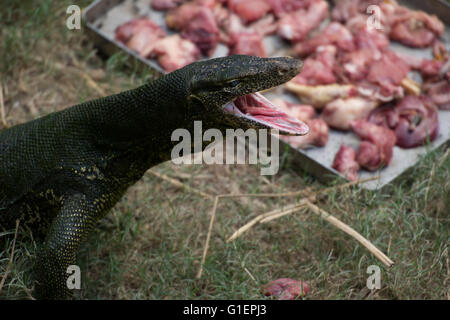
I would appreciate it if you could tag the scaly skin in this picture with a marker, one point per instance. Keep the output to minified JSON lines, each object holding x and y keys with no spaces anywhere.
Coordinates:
{"x":60,"y":174}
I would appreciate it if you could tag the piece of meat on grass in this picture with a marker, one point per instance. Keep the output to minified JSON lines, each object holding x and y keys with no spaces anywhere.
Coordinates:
{"x":318,"y":68}
{"x":376,"y":148}
{"x":345,"y":163}
{"x":174,"y":52}
{"x":340,"y":113}
{"x":286,"y":289}
{"x":297,"y":25}
{"x":249,"y":10}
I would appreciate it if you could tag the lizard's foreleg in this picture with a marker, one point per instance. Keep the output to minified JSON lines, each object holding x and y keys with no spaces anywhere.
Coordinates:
{"x":73,"y":223}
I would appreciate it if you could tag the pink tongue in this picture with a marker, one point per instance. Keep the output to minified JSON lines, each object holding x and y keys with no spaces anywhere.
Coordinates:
{"x":258,"y":107}
{"x":261,"y":111}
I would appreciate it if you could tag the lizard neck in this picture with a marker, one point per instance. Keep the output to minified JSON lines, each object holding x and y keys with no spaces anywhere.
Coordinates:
{"x":141,"y":118}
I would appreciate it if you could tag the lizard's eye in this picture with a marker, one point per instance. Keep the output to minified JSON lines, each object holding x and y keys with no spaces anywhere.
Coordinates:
{"x":234,"y":83}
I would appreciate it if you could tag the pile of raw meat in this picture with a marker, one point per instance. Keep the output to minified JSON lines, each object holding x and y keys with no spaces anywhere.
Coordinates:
{"x":351,"y":79}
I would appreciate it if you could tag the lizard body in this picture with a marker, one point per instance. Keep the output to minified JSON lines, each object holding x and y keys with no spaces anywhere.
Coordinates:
{"x":60,"y":174}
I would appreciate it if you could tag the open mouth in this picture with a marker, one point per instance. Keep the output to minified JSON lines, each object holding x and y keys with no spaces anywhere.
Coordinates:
{"x":257,"y":108}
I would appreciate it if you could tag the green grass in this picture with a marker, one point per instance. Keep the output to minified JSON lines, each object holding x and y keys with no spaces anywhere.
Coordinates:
{"x":150,"y":245}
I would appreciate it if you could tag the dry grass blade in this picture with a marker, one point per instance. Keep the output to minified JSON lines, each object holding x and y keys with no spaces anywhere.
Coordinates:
{"x":349,"y":184}
{"x":250,"y":275}
{"x":267,"y":195}
{"x":208,"y":237}
{"x":277,"y":213}
{"x":444,"y":157}
{"x":11,"y":258}
{"x":257,"y":219}
{"x":261,"y":218}
{"x":180,"y":185}
{"x":429,"y":183}
{"x":91,"y":83}
{"x":265,"y":217}
{"x":350,"y":231}
{"x":298,"y":193}
{"x":2,"y":109}
{"x":80,"y":73}
{"x":284,"y":213}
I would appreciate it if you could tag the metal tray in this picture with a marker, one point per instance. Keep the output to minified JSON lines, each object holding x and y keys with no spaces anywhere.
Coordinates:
{"x":103,"y":16}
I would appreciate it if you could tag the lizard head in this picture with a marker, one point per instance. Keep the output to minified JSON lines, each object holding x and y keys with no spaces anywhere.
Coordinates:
{"x":227,"y":89}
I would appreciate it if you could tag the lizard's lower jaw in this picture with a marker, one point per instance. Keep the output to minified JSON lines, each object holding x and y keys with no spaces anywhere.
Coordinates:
{"x":257,"y":108}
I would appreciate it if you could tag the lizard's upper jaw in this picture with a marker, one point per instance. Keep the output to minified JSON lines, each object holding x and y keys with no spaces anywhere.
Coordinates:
{"x":257,"y":108}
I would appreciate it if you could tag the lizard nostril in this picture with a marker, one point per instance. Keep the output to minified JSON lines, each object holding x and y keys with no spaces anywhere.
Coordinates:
{"x":282,"y":70}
